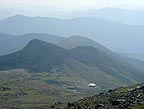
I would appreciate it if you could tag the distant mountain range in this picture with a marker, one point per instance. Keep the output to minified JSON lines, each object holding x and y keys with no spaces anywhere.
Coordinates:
{"x":12,"y":43}
{"x":125,"y":16}
{"x":116,"y":36}
{"x":121,"y":15}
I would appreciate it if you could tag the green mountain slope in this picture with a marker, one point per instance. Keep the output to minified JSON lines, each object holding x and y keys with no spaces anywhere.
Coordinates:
{"x":37,"y":55}
{"x":108,"y":63}
{"x":82,"y":64}
{"x":75,"y":41}
{"x":20,"y":89}
{"x":139,"y":64}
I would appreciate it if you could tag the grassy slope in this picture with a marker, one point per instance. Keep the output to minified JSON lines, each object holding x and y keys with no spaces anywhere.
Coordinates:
{"x":28,"y":90}
{"x":19,"y":88}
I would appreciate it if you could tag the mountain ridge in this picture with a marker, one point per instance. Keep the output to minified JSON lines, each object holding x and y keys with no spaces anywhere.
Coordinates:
{"x":12,"y":43}
{"x":87,"y":62}
{"x":78,"y":40}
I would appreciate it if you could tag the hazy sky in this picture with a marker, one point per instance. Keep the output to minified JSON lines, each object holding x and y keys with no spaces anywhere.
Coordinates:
{"x":44,"y":7}
{"x":73,"y":4}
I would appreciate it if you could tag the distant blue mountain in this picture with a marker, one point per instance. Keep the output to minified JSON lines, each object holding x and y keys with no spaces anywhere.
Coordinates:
{"x":11,"y":43}
{"x":116,"y":36}
{"x":132,"y":17}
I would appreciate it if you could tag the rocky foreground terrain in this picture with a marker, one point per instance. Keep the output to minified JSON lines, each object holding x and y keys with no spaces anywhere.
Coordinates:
{"x":122,"y":98}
